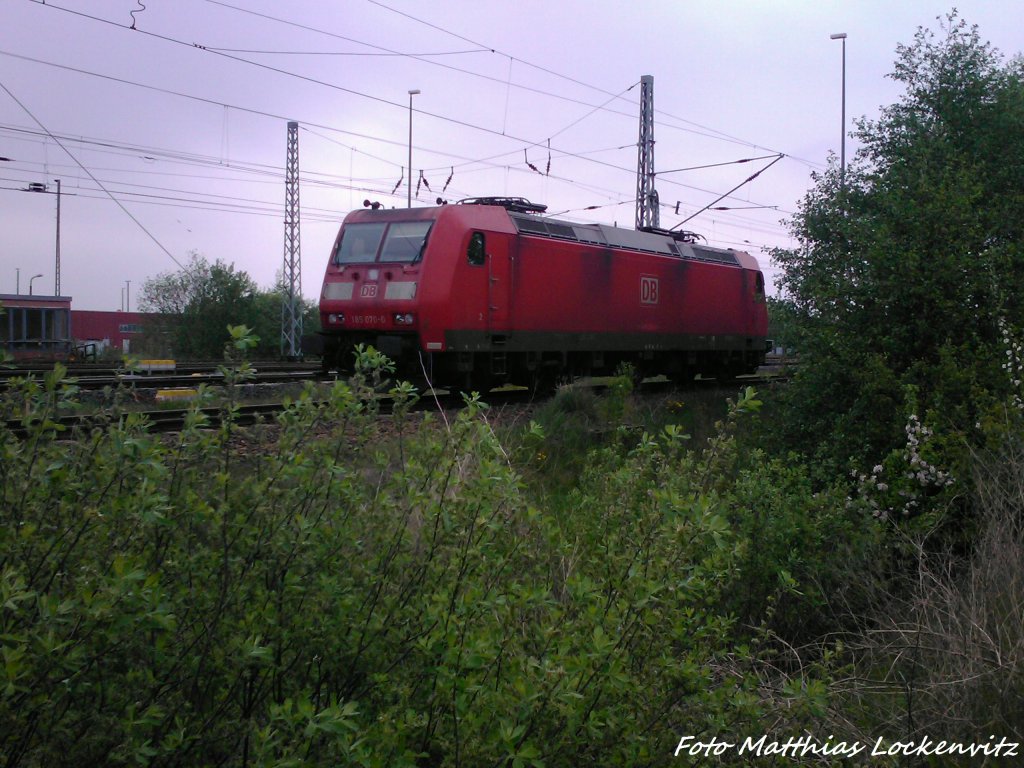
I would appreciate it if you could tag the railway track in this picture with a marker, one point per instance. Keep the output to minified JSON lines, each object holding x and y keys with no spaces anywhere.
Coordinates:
{"x":106,"y":369}
{"x":164,"y":420}
{"x":92,"y":379}
{"x":173,"y":419}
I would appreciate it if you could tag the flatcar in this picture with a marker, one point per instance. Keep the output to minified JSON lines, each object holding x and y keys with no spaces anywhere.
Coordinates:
{"x":491,"y":291}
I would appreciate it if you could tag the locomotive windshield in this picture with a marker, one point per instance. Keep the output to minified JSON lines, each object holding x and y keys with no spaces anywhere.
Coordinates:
{"x":398,"y":241}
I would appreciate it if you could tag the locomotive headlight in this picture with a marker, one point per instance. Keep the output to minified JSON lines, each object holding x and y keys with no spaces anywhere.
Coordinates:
{"x":404,"y":318}
{"x":335,"y":319}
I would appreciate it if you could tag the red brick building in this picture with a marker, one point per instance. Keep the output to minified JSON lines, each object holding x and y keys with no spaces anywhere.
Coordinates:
{"x":117,"y":331}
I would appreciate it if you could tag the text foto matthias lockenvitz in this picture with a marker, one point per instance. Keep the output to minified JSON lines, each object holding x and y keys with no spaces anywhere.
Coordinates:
{"x":804,"y":745}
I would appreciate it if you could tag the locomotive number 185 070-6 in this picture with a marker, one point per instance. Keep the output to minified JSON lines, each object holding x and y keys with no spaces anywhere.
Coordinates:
{"x":368,"y":319}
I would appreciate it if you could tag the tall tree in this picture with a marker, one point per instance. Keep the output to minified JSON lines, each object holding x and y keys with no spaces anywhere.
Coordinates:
{"x":197,"y":304}
{"x":268,"y":319}
{"x":904,"y":270}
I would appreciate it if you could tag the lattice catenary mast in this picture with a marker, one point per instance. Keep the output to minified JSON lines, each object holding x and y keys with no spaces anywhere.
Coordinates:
{"x":291,"y":278}
{"x":647,"y":213}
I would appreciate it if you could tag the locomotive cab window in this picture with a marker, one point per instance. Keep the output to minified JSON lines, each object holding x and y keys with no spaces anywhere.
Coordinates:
{"x":359,"y":243}
{"x":399,"y":241}
{"x":476,"y":252}
{"x":405,"y":241}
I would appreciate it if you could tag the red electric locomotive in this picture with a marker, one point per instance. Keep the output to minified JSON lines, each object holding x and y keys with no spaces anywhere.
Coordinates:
{"x":489,"y":291}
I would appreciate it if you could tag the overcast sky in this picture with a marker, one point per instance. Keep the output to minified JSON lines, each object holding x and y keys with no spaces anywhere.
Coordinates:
{"x":168,"y":126}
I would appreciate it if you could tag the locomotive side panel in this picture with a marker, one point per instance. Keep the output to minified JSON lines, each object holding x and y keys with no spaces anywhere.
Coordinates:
{"x":588,"y":297}
{"x":467,"y":303}
{"x":474,"y":305}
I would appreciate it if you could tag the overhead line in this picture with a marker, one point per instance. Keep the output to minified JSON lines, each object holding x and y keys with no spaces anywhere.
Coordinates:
{"x":340,"y":53}
{"x":263,"y":113}
{"x":192,"y":159}
{"x":564,"y":153}
{"x":329,"y":85}
{"x":493,"y":50}
{"x":721,"y":135}
{"x":705,"y":131}
{"x":333,"y":181}
{"x":722,"y":197}
{"x":152,"y":153}
{"x":212,"y":102}
{"x":472,"y":73}
{"x":199,"y":206}
{"x":89,"y":174}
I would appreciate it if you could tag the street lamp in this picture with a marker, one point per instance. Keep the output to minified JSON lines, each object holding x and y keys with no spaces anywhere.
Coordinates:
{"x":414,"y":92}
{"x":30,"y":282}
{"x":40,"y":187}
{"x":842,"y":161}
{"x":56,"y":274}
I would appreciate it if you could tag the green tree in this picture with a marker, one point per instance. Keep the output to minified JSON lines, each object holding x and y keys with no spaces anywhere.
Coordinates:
{"x":907,"y":264}
{"x":197,"y":304}
{"x":368,"y":591}
{"x":783,"y":323}
{"x":268,"y":320}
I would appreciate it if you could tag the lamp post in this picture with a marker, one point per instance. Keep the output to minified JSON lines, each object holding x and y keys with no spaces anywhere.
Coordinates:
{"x":17,"y":280}
{"x":56,"y":274}
{"x":842,"y":150}
{"x":414,"y":92}
{"x":40,"y":187}
{"x":30,"y":282}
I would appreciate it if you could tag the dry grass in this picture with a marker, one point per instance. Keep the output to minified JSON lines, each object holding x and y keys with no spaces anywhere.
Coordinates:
{"x":946,"y":657}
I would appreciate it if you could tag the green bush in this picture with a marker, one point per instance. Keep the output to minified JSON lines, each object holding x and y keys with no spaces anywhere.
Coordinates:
{"x":327,"y":601}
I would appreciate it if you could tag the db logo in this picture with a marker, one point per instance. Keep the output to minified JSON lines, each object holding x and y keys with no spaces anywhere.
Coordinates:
{"x":648,"y":289}
{"x":368,"y":291}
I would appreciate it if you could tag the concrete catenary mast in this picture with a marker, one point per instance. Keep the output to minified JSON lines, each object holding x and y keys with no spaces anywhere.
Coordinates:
{"x":647,"y":209}
{"x":291,"y":279}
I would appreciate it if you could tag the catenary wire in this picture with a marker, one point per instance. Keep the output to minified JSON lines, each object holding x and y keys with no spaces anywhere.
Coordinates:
{"x":564,"y":153}
{"x":128,"y":213}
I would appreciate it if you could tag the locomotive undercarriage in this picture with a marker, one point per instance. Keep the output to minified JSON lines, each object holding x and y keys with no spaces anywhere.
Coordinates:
{"x":468,"y":370}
